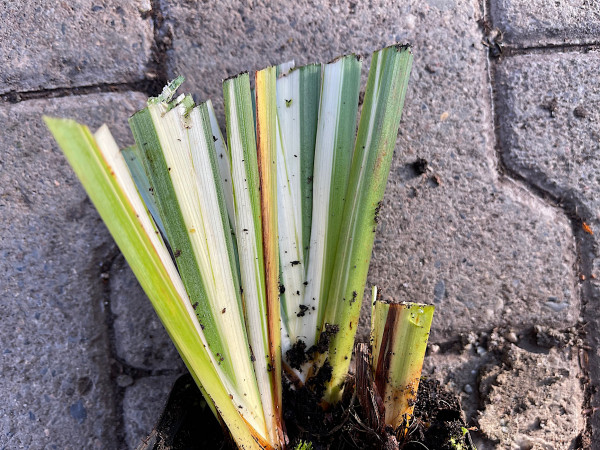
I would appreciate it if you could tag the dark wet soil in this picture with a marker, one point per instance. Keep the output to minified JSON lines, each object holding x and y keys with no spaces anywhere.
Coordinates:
{"x":187,"y":423}
{"x":437,"y":423}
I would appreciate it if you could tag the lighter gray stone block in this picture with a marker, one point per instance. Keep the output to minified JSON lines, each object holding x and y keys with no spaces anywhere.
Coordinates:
{"x":550,"y":110}
{"x":47,"y":44}
{"x":54,"y":353}
{"x":490,"y":252}
{"x":142,"y":405}
{"x":224,"y":38}
{"x":541,"y":22}
{"x":141,"y":340}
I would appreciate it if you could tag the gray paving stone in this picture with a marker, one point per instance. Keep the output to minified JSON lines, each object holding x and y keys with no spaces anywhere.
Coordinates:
{"x":142,"y":405}
{"x":140,"y":339}
{"x":550,"y":108}
{"x":55,"y":385}
{"x":466,"y":238}
{"x":224,"y":38}
{"x":46,"y":44}
{"x":539,"y":22}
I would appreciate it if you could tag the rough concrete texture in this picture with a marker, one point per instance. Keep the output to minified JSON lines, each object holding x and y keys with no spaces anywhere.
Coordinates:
{"x":64,"y":44}
{"x":140,"y":339}
{"x":491,"y":233}
{"x":56,"y":390}
{"x":224,"y":38}
{"x":527,"y":23}
{"x":533,"y":400}
{"x":523,"y":389}
{"x":551,"y":107}
{"x":142,"y":404}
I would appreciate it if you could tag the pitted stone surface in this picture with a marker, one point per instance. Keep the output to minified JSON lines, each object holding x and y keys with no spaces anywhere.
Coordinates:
{"x":549,"y":133}
{"x":534,"y":23}
{"x":64,"y":44}
{"x":224,"y":38}
{"x":140,"y":339}
{"x":512,"y":379}
{"x":533,"y":400}
{"x":55,"y":385}
{"x":457,"y":236}
{"x":550,"y":109}
{"x":142,"y":405}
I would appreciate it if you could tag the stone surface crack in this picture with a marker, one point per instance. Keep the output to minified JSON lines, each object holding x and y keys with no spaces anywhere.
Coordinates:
{"x":144,"y":86}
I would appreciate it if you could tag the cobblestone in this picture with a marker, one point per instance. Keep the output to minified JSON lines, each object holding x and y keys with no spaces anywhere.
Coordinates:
{"x":550,"y":107}
{"x":263,"y":34}
{"x":142,"y":405}
{"x":140,"y":339}
{"x":64,"y":44}
{"x":539,"y":22}
{"x":56,"y":390}
{"x":533,"y":400}
{"x":518,"y":386}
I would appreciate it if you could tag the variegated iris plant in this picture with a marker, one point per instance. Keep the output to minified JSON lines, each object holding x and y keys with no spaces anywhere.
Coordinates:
{"x":247,"y":247}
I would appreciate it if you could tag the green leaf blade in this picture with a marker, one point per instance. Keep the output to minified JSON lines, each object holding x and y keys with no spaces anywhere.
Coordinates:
{"x":106,"y":179}
{"x":145,"y":128}
{"x":241,"y":140}
{"x":179,"y":157}
{"x":332,"y":161}
{"x":399,"y":340}
{"x":134,"y":163}
{"x":378,"y":128}
{"x":309,"y":96}
{"x":266,"y":134}
{"x":297,"y":112}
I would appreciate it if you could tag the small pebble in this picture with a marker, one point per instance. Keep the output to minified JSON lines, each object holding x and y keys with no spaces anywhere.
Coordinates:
{"x":435,"y":348}
{"x":124,"y":380}
{"x":481,"y":351}
{"x":468,"y":389}
{"x":580,"y":112}
{"x":525,"y":444}
{"x":512,"y":337}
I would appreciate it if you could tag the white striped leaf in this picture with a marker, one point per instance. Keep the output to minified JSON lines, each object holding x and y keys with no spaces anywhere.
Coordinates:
{"x":333,"y":156}
{"x":179,"y":156}
{"x":103,"y":172}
